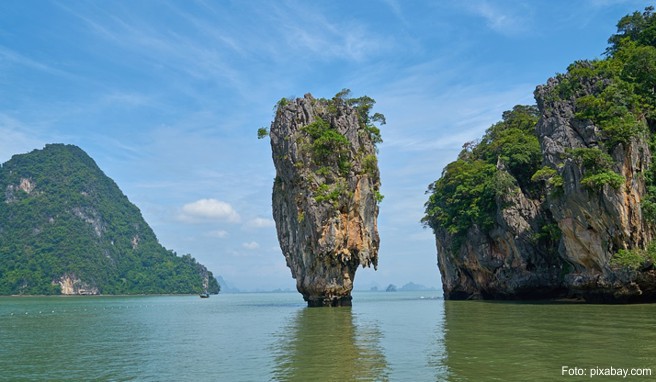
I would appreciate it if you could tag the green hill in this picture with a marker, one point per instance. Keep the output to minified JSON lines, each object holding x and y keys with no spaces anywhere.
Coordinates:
{"x":66,"y":228}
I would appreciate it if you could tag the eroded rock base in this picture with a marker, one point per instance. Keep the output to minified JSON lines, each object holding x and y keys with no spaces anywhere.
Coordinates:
{"x":317,"y":302}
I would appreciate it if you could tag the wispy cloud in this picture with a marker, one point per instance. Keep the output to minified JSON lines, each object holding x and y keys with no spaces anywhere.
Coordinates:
{"x":260,"y":222}
{"x":16,"y":138}
{"x":162,"y":46}
{"x":221,"y":234}
{"x":10,"y":56}
{"x":251,"y":245}
{"x":507,"y":18}
{"x":306,"y":30}
{"x":123,"y":98}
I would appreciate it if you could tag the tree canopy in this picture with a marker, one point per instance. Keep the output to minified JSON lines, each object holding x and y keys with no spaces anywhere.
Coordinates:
{"x":62,"y":215}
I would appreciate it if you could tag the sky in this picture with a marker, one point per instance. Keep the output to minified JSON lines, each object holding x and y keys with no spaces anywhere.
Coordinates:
{"x":167,"y":97}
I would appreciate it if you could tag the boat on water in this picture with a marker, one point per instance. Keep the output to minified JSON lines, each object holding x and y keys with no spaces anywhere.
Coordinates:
{"x":204,"y":295}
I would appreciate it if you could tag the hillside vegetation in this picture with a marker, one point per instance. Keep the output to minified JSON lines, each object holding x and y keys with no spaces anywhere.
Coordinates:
{"x":64,"y":223}
{"x":559,"y":198}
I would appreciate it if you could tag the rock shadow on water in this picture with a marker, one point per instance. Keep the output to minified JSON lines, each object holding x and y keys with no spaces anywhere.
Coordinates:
{"x":329,"y":345}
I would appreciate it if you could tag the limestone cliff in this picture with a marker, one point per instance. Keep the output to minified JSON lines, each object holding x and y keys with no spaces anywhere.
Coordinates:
{"x":326,"y":192}
{"x":559,"y":200}
{"x":558,"y":241}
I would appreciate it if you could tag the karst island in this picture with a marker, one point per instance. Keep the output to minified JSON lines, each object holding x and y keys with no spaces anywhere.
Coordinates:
{"x":326,"y":191}
{"x":558,"y":200}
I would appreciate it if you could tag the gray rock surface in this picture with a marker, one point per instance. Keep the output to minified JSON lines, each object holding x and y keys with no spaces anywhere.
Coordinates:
{"x":325,"y":215}
{"x":512,"y":260}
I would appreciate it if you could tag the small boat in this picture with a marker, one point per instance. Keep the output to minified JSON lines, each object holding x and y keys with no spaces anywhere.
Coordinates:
{"x":204,"y":295}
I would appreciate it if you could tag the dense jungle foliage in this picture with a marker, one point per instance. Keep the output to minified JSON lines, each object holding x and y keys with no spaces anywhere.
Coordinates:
{"x":60,"y":216}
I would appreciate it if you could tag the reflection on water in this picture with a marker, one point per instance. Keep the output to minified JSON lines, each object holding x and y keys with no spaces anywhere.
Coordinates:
{"x":521,"y":342}
{"x":263,"y":337}
{"x":329,"y":345}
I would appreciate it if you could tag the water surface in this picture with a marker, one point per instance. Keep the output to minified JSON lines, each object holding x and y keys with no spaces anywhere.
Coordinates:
{"x":274,"y":337}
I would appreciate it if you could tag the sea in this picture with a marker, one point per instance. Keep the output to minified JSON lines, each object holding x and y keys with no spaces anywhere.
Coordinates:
{"x":384,"y":336}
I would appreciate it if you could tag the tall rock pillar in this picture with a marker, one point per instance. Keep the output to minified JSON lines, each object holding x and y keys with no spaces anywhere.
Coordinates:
{"x":326,"y":192}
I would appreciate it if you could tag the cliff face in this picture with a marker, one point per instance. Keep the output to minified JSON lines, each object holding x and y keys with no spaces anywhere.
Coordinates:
{"x":66,"y":228}
{"x":596,"y":224}
{"x":326,"y":193}
{"x":505,"y":262}
{"x":559,"y":200}
{"x":567,"y":237}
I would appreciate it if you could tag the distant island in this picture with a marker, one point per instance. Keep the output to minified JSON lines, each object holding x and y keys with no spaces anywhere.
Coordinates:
{"x":225,"y":286}
{"x":66,"y":228}
{"x":559,"y":199}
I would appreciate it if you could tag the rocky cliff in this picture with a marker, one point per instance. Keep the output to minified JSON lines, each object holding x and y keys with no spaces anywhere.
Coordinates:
{"x":66,"y":228}
{"x":558,"y":200}
{"x":326,"y":192}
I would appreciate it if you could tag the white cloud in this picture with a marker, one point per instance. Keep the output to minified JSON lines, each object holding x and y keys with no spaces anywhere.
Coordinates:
{"x":221,"y":234}
{"x":208,"y":209}
{"x":251,"y":245}
{"x":260,"y":222}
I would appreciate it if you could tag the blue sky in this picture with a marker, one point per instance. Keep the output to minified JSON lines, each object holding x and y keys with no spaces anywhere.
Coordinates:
{"x":167,"y":97}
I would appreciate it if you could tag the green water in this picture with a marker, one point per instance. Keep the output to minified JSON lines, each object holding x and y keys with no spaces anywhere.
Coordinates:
{"x":273,"y":337}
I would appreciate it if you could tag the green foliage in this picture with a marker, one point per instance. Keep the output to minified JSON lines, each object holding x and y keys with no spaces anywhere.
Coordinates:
{"x":578,"y":73}
{"x":329,"y":193}
{"x":503,"y":183}
{"x":284,"y":101}
{"x":548,"y":175}
{"x":592,"y":159}
{"x":76,"y":221}
{"x":328,"y":146}
{"x":597,"y":168}
{"x":464,"y":196}
{"x":612,"y":110}
{"x":634,"y":258}
{"x":549,"y":233}
{"x":378,"y":196}
{"x":262,"y":132}
{"x":648,"y":204}
{"x":617,"y":93}
{"x":513,"y":141}
{"x":466,"y":193}
{"x":597,"y":181}
{"x":363,"y":106}
{"x":370,"y":165}
{"x":331,"y":151}
{"x":639,"y":28}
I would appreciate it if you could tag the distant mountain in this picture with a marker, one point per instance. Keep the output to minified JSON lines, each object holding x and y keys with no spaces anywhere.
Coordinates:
{"x":225,"y":287}
{"x":411,"y":287}
{"x":66,"y":228}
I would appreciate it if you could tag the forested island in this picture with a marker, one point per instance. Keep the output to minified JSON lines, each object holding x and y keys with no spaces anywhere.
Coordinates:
{"x":66,"y":228}
{"x":558,"y":199}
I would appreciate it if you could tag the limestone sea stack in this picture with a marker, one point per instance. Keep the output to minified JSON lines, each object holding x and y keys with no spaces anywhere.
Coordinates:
{"x":326,"y":192}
